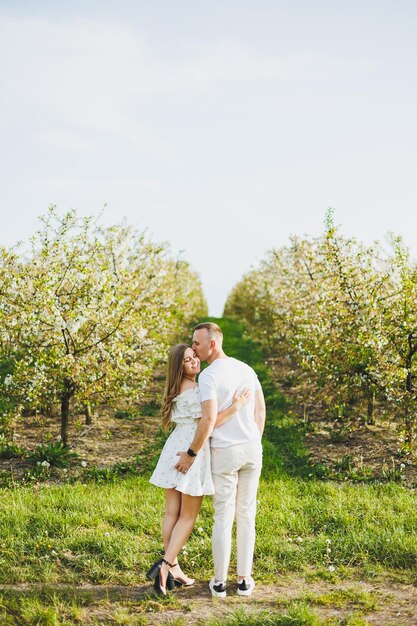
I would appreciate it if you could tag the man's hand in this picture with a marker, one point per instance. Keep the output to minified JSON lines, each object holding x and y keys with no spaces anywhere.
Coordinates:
{"x":185,"y":462}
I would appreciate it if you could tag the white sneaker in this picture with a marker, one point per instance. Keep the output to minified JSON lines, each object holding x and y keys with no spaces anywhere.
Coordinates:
{"x":246,"y":586}
{"x":218,"y":589}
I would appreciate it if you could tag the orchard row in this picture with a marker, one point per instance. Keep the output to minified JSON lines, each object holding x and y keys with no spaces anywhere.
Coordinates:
{"x":86,"y":314}
{"x":345,"y":315}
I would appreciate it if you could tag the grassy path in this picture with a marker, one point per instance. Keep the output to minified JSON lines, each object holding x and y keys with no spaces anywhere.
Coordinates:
{"x":327,"y":552}
{"x":292,"y":601}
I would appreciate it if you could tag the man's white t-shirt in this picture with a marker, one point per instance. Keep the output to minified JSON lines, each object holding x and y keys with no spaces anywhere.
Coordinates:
{"x":220,"y":380}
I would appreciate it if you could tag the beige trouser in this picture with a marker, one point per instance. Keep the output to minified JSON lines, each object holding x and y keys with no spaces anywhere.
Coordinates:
{"x":236,"y":470}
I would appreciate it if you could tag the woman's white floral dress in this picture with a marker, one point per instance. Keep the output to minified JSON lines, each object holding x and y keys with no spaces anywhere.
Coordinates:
{"x":197,"y":481}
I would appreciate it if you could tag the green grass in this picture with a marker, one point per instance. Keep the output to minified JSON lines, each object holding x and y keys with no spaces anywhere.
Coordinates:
{"x":298,"y":613}
{"x":110,"y":532}
{"x":64,"y":608}
{"x":48,"y":608}
{"x":106,"y":530}
{"x":367,"y":601}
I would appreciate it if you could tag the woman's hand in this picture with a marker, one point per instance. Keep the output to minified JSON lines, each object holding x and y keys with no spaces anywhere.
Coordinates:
{"x":240,"y":399}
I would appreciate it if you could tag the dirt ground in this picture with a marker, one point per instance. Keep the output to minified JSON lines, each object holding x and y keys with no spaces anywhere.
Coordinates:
{"x":110,"y":440}
{"x":395,"y":604}
{"x":373,"y":448}
{"x":392,"y":604}
{"x":106,"y":441}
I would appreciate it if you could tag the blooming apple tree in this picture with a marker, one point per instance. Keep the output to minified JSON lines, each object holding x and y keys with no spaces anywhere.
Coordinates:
{"x":346,"y":315}
{"x":88,"y":312}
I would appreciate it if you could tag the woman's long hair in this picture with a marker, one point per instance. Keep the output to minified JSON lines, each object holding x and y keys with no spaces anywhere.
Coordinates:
{"x":173,"y":382}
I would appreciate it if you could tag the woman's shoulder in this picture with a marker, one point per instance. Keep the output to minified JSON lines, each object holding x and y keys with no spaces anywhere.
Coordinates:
{"x":188,"y":390}
{"x":187,"y":404}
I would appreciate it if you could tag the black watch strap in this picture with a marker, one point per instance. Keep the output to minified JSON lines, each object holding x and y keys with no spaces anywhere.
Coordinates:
{"x":191,"y":452}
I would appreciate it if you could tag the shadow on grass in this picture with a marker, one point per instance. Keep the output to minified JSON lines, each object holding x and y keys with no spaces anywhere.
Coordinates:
{"x":60,"y":604}
{"x":84,"y":594}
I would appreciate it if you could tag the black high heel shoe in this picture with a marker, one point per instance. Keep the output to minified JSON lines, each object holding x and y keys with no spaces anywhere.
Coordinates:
{"x":154,"y":570}
{"x":169,"y":583}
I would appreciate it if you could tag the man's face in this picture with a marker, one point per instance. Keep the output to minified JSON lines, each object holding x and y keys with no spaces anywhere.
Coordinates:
{"x":202,"y":344}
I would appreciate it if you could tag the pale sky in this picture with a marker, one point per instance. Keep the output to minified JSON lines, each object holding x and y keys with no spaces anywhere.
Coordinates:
{"x":220,"y":126}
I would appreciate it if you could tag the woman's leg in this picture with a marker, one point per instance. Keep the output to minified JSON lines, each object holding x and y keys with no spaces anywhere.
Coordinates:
{"x":190,"y":507}
{"x":172,"y":513}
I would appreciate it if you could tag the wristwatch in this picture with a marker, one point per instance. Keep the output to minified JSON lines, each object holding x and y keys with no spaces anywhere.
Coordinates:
{"x":191,"y":452}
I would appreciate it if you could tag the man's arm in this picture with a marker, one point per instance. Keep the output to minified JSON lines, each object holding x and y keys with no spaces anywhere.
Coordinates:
{"x":203,"y":432}
{"x":260,"y":410}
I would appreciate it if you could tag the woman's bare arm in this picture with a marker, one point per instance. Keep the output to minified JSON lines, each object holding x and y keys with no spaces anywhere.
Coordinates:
{"x":239,"y":399}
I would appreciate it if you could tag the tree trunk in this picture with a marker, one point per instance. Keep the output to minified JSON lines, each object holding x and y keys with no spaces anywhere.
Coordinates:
{"x":88,"y":414}
{"x":67,"y":393}
{"x":409,"y":433}
{"x":409,"y":362}
{"x":409,"y":419}
{"x":371,"y":406}
{"x":409,"y":381}
{"x":65,"y":406}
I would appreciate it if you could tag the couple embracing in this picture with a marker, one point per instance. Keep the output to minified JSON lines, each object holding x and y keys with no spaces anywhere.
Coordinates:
{"x":227,"y":406}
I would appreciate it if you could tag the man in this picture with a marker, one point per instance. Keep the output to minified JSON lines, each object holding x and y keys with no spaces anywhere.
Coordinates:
{"x":236,"y":455}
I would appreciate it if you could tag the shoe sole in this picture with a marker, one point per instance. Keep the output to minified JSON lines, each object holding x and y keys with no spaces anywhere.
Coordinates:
{"x":244,"y":593}
{"x":179,"y":583}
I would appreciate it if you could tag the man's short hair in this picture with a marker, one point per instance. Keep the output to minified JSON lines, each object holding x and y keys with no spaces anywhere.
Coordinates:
{"x":214,"y":331}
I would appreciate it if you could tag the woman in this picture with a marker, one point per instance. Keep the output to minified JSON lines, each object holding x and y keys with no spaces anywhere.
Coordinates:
{"x":183,"y":492}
